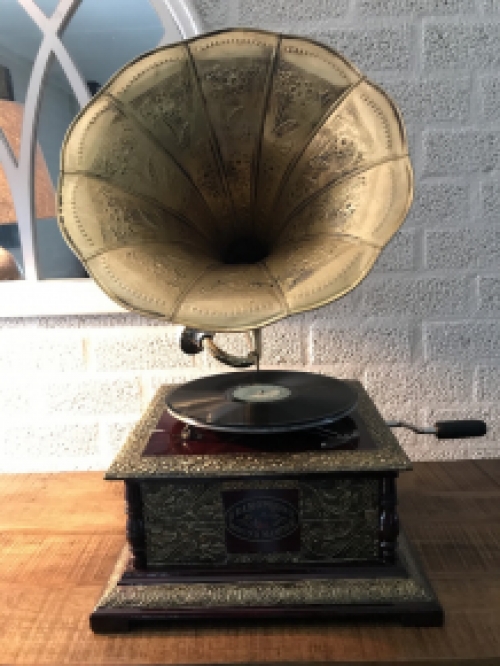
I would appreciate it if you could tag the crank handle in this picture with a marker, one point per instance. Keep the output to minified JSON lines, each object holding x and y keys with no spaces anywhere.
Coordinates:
{"x":446,"y":429}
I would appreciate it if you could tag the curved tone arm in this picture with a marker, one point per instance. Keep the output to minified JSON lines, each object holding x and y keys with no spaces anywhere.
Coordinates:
{"x":194,"y":341}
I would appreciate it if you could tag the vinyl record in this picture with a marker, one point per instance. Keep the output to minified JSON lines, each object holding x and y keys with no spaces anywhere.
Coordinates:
{"x":263,"y":401}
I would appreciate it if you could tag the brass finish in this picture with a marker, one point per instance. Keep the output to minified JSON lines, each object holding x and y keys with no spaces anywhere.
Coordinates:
{"x":184,"y":521}
{"x":131,"y":464}
{"x":252,"y":358}
{"x":234,"y":179}
{"x":318,"y":591}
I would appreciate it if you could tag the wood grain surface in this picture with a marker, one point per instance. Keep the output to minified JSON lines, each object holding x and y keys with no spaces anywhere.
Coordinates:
{"x":61,"y":535}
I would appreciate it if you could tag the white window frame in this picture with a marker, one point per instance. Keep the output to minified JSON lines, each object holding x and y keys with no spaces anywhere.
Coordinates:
{"x":31,"y":296}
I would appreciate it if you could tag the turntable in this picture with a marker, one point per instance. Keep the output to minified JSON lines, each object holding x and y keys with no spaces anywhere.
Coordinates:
{"x":225,"y":183}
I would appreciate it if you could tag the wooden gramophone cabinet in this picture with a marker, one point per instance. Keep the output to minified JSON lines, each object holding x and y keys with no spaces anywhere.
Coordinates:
{"x":333,"y":546}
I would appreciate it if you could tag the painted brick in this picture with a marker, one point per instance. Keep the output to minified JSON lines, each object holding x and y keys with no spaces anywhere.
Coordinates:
{"x":289,"y":12}
{"x":489,"y":295}
{"x":92,"y":395}
{"x":54,"y":440}
{"x":484,"y":451}
{"x":392,"y":407}
{"x":142,"y":349}
{"x":403,"y":7}
{"x":437,"y":204}
{"x":490,"y":93}
{"x":114,"y":434}
{"x":450,"y":152}
{"x":347,"y":306}
{"x":214,"y":14}
{"x":29,"y":350}
{"x":386,"y":341}
{"x":399,"y":254}
{"x":416,"y":296}
{"x":17,"y":397}
{"x":464,"y":45}
{"x":359,"y":341}
{"x":463,"y":248}
{"x":372,"y":49}
{"x":414,"y":385}
{"x":469,"y":340}
{"x":282,"y":343}
{"x":431,"y":99}
{"x":490,"y":201}
{"x":487,"y":383}
{"x":339,"y":370}
{"x":491,"y":6}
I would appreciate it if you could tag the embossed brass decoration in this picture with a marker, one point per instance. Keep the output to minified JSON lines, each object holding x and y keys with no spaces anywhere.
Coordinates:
{"x":412,"y":588}
{"x":231,"y":180}
{"x":185,"y":524}
{"x":131,"y":464}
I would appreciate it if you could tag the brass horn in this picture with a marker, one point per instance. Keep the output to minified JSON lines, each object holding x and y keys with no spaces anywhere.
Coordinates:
{"x":228,"y":181}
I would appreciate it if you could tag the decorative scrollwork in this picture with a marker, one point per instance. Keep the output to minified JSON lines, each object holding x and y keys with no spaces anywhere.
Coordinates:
{"x":130,"y":463}
{"x":185,"y":523}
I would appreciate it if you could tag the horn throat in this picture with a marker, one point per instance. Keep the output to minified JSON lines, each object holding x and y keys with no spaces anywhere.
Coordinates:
{"x":245,"y":250}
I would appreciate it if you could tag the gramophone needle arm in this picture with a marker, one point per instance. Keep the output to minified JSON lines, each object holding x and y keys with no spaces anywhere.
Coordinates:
{"x":229,"y":359}
{"x":194,"y":341}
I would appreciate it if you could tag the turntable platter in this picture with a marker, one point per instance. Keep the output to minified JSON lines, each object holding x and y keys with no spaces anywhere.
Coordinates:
{"x":264,"y":401}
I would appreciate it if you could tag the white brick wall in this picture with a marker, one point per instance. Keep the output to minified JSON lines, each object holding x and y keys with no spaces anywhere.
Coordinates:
{"x":423,"y":329}
{"x":443,"y":203}
{"x":372,"y":49}
{"x":490,"y":200}
{"x":464,"y":45}
{"x":449,"y":152}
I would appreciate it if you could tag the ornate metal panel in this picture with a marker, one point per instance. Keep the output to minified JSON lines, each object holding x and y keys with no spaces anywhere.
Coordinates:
{"x":319,"y":591}
{"x":335,"y":520}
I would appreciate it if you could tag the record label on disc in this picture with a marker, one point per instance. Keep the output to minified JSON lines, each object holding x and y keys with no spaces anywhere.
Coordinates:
{"x":260,"y":393}
{"x":264,"y":401}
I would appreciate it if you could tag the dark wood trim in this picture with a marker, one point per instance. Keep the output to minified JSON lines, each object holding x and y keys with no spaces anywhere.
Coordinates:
{"x":120,"y":620}
{"x":261,"y":572}
{"x":136,"y":536}
{"x":389,"y":520}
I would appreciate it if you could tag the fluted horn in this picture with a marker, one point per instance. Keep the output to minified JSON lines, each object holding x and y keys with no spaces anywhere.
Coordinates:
{"x":228,"y":181}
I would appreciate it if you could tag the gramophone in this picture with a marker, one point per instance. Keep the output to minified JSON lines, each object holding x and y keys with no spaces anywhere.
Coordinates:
{"x":225,"y":183}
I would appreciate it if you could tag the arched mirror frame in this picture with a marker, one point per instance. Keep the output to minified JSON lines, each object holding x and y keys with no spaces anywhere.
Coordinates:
{"x":31,"y":296}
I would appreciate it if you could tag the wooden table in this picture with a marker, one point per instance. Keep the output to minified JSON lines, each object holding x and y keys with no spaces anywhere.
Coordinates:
{"x":61,"y":534}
